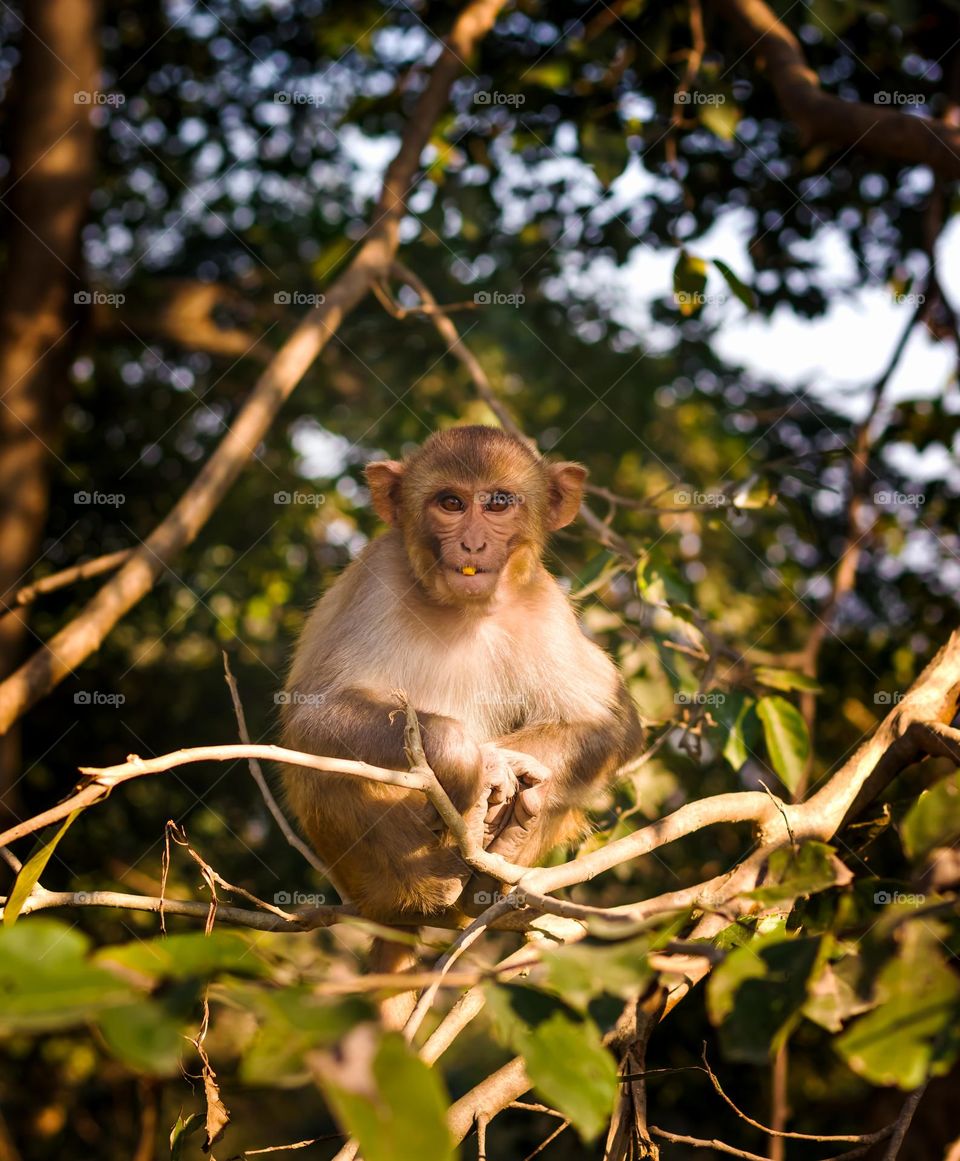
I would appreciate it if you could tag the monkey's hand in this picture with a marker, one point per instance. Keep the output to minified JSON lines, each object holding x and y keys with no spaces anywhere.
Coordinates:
{"x":527,"y":805}
{"x":517,"y":786}
{"x":501,"y":785}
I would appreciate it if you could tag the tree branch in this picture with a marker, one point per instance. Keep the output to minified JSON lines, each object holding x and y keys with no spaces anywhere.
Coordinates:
{"x":85,"y":633}
{"x":873,"y":129}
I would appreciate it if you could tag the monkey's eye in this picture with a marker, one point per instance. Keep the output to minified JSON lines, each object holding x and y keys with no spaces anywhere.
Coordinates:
{"x":499,"y":502}
{"x":450,"y":503}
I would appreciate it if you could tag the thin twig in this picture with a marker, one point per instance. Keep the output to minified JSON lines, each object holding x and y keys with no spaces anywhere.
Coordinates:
{"x":701,"y":1143}
{"x":852,"y":1138}
{"x":214,"y":878}
{"x":257,"y":774}
{"x":68,"y":576}
{"x":565,"y":1124}
{"x":903,"y":1123}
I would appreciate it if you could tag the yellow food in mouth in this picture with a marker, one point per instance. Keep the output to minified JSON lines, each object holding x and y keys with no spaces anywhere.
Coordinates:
{"x":468,"y":570}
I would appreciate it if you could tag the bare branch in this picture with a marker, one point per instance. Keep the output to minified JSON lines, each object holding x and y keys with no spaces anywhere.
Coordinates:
{"x":103,"y":779}
{"x":903,"y":1123}
{"x":489,"y":1097}
{"x":700,"y":1143}
{"x":874,"y":130}
{"x":460,"y":351}
{"x":257,"y":774}
{"x":852,"y":1138}
{"x":85,"y":633}
{"x":43,"y":900}
{"x":68,"y":576}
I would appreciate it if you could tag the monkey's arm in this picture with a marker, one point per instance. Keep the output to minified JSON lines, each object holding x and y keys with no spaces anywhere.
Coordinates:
{"x":582,"y":757}
{"x":359,"y":724}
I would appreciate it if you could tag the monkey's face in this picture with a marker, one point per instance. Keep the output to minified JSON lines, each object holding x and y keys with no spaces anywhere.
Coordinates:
{"x":475,"y":506}
{"x":474,"y":535}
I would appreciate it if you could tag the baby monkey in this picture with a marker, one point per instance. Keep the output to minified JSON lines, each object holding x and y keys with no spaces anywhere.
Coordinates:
{"x":452,"y":605}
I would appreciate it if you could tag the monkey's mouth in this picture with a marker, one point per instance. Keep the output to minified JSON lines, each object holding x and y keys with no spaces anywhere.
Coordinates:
{"x":471,"y":582}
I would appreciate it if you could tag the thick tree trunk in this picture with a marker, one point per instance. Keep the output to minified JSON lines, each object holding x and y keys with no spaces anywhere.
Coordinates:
{"x":44,"y":205}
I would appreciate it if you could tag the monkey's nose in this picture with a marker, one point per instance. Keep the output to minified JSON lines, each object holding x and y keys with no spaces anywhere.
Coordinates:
{"x":472,"y":548}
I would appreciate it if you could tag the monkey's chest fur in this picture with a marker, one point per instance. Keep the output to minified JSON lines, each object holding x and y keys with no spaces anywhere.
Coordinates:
{"x":493,"y":674}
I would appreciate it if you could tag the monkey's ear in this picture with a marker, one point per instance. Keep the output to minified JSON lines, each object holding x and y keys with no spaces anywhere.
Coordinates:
{"x":384,"y":478}
{"x":566,"y":491}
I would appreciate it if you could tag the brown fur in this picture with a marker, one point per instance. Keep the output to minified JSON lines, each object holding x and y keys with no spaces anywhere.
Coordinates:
{"x":492,"y":658}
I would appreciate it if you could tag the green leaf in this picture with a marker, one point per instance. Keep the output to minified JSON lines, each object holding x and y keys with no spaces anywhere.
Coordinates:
{"x":737,"y":716}
{"x":181,"y":1131}
{"x":605,"y":150}
{"x":564,"y":1053}
{"x":785,"y":679}
{"x":833,"y":998}
{"x":832,"y":18}
{"x":788,"y":742}
{"x":689,"y":283}
{"x":934,"y":819}
{"x":517,"y":1008}
{"x":806,"y":870}
{"x":754,"y":492}
{"x":47,"y":982}
{"x":721,"y":117}
{"x":659,"y":582}
{"x":914,"y":1032}
{"x":739,"y":288}
{"x":188,"y":955}
{"x":33,"y":868}
{"x":291,"y":1022}
{"x":755,"y":996}
{"x":580,"y":972}
{"x":551,"y":74}
{"x":399,"y":1111}
{"x":145,"y":1036}
{"x":570,"y":1067}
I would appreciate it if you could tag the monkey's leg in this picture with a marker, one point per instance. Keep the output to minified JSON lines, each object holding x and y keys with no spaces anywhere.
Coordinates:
{"x":388,"y":958}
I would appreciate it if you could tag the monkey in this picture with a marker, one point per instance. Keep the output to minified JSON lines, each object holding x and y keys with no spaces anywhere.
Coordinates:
{"x":522,"y":716}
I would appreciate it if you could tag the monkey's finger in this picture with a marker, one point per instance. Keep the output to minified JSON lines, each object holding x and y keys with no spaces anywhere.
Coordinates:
{"x":528,"y":805}
{"x":496,"y":816}
{"x":526,"y":767}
